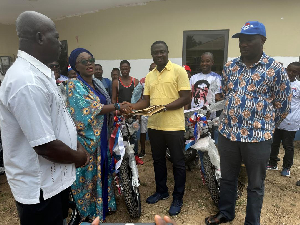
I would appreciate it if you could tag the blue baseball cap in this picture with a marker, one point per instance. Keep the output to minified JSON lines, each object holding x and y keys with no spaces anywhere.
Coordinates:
{"x":252,"y":28}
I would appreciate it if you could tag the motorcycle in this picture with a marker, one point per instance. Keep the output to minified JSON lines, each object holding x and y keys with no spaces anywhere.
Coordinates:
{"x":127,"y":178}
{"x":200,"y":149}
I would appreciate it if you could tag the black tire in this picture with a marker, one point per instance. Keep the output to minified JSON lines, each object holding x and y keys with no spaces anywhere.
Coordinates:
{"x":190,"y":157}
{"x":210,"y":179}
{"x":131,"y":194}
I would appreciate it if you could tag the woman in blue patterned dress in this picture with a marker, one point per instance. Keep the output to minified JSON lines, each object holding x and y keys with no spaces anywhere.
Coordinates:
{"x":88,"y":103}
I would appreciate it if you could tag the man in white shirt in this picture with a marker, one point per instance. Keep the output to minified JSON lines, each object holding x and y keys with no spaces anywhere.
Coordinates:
{"x":39,"y":137}
{"x":201,"y":83}
{"x":288,"y":127}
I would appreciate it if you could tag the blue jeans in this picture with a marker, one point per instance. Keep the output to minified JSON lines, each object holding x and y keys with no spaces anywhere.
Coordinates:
{"x":255,"y":156}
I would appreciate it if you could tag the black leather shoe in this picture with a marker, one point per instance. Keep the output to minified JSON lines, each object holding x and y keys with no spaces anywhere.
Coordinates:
{"x":216,"y":219}
{"x":157,"y":197}
{"x":175,"y":207}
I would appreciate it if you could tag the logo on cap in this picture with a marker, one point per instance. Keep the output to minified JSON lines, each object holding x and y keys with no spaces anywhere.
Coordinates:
{"x":247,"y":26}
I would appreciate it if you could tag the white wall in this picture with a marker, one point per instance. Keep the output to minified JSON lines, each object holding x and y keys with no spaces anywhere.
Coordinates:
{"x":140,"y":67}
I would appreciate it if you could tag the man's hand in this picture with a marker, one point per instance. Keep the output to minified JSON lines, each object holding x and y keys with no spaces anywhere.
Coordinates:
{"x":83,"y":156}
{"x":159,"y":221}
{"x":125,"y":107}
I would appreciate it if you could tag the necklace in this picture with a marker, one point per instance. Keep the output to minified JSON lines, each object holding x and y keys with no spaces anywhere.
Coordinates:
{"x":125,"y":85}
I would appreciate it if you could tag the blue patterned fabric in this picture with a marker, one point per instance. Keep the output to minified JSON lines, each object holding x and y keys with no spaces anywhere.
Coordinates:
{"x":93,"y":188}
{"x":256,"y":99}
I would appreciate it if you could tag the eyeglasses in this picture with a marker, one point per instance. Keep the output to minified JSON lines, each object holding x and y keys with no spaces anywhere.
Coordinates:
{"x":86,"y":61}
{"x":54,"y":66}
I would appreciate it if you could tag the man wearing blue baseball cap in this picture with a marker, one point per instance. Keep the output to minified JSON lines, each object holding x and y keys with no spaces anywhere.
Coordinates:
{"x":257,"y":96}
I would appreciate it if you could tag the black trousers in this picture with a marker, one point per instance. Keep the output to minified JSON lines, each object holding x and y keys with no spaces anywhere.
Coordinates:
{"x":174,"y":140}
{"x":255,"y":157}
{"x":47,"y":212}
{"x":287,"y":138}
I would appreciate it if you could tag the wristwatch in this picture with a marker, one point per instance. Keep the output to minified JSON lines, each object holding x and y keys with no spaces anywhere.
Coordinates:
{"x":117,"y":106}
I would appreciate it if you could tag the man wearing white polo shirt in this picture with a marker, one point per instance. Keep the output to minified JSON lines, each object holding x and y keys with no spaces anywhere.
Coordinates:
{"x":39,"y":137}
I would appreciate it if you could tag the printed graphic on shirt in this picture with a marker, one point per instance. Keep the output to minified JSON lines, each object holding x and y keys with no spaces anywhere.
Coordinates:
{"x":204,"y":87}
{"x":200,"y":91}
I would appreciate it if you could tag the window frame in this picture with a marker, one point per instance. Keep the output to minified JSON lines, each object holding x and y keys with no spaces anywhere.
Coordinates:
{"x":224,"y":32}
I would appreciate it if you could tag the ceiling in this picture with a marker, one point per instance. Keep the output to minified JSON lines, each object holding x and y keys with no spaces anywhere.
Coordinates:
{"x":59,"y":9}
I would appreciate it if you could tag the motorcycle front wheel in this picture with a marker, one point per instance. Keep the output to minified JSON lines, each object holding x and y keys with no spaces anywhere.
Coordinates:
{"x":210,"y":179}
{"x":131,"y":194}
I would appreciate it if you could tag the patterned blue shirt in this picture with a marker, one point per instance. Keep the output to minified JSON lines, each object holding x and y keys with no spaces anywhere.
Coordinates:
{"x":257,"y":99}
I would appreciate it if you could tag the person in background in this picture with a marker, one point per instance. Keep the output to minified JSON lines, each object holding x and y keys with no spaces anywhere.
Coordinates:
{"x":41,"y":149}
{"x":144,"y":120}
{"x":105,"y":81}
{"x":201,"y":82}
{"x":287,"y":129}
{"x":115,"y":73}
{"x":200,"y":85}
{"x":55,"y":67}
{"x":122,"y":90}
{"x":257,"y":98}
{"x":168,"y":85}
{"x":71,"y":73}
{"x":188,"y":70}
{"x":89,"y":104}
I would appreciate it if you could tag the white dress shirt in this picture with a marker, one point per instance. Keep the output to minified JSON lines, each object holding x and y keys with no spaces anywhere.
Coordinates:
{"x":32,"y":114}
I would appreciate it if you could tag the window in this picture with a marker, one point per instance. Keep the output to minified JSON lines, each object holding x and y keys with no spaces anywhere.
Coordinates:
{"x":197,"y":42}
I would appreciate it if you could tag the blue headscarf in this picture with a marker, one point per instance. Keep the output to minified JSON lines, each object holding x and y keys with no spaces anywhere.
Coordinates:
{"x":73,"y":56}
{"x":72,"y":61}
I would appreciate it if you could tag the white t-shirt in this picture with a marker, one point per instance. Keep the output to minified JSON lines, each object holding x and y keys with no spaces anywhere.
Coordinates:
{"x":200,"y":85}
{"x":292,"y":121}
{"x":32,"y":114}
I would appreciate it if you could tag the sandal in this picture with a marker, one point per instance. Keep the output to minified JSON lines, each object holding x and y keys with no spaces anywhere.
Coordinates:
{"x":216,"y":219}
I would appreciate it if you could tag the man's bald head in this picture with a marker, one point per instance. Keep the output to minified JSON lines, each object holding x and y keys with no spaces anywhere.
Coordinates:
{"x":38,"y":36}
{"x":208,"y":54}
{"x":30,"y":22}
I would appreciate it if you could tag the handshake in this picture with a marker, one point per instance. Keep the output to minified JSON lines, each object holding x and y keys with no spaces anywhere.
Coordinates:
{"x":127,"y":108}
